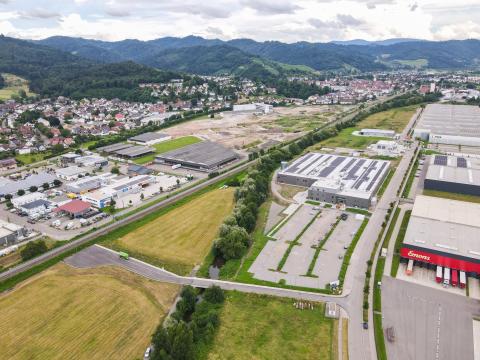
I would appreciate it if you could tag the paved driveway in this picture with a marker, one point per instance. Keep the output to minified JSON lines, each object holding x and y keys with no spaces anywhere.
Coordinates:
{"x":429,"y":324}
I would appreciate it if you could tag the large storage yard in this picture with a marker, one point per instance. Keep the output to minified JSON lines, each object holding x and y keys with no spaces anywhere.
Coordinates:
{"x":66,"y":313}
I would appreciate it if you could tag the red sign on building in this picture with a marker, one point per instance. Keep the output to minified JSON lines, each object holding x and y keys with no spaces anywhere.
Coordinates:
{"x":436,"y":259}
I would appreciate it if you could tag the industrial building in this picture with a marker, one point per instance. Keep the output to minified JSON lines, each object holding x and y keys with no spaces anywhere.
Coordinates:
{"x":92,"y":161}
{"x":449,"y":124}
{"x":453,"y":174}
{"x":71,"y":173}
{"x":444,"y":232}
{"x":10,"y":233}
{"x":377,"y":133}
{"x":149,"y":138}
{"x":37,"y":208}
{"x":35,"y":180}
{"x":128,"y":151}
{"x":205,"y":155}
{"x":28,"y":198}
{"x":75,"y":208}
{"x":255,"y":107}
{"x":89,"y":183}
{"x":336,"y":179}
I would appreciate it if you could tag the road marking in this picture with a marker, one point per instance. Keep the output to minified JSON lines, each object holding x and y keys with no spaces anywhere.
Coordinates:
{"x":437,"y":352}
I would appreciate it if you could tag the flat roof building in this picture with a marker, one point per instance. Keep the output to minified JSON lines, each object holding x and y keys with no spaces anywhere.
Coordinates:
{"x":377,"y":133}
{"x":449,"y":124}
{"x":10,"y":233}
{"x":453,"y":174}
{"x":444,"y":232}
{"x":36,"y":180}
{"x":205,"y":155}
{"x":75,"y":208}
{"x":134,"y":151}
{"x":71,"y":173}
{"x":336,"y":179}
{"x":149,"y":138}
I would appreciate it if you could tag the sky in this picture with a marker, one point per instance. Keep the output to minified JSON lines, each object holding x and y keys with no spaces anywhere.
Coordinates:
{"x":261,"y":20}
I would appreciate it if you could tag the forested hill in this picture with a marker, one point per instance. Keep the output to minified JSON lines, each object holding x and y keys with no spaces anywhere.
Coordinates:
{"x":388,"y":54}
{"x":52,"y":72}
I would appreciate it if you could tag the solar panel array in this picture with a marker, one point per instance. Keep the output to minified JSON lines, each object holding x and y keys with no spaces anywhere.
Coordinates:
{"x":440,"y":160}
{"x":353,"y":171}
{"x":333,"y":165}
{"x":461,"y":162}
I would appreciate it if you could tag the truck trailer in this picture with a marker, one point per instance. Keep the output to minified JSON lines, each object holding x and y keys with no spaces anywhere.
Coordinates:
{"x":463,"y":280}
{"x":439,"y":276}
{"x":446,"y":277}
{"x":409,"y":270}
{"x":454,"y":277}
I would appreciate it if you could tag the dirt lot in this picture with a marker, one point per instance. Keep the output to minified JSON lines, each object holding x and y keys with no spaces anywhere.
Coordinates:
{"x":244,"y":130}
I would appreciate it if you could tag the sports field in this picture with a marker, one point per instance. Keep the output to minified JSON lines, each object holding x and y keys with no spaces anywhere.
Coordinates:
{"x":66,"y":313}
{"x":394,"y":119}
{"x":183,"y":236}
{"x":168,"y":145}
{"x":262,"y":327}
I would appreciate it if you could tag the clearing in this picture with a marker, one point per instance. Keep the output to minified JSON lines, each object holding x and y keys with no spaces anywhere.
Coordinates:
{"x":168,"y":145}
{"x":65,"y":313}
{"x":262,"y":327}
{"x":244,"y":130}
{"x":182,"y":237}
{"x":13,"y":84}
{"x":393,"y":119}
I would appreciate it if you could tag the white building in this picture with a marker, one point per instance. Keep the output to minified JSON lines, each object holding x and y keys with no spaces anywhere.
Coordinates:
{"x":37,"y":208}
{"x":255,"y":107}
{"x":28,"y":198}
{"x":387,"y":148}
{"x":377,"y":133}
{"x":71,"y":173}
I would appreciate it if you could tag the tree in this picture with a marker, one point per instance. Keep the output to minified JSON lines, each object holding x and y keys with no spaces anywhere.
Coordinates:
{"x":112,"y":204}
{"x":178,"y":182}
{"x":33,"y":189}
{"x":233,"y":242}
{"x":115,"y":170}
{"x":214,"y":294}
{"x":57,"y":182}
{"x":57,"y":148}
{"x":174,"y":342}
{"x":142,"y":196}
{"x":32,"y":249}
{"x":21,"y":192}
{"x":45,"y":186}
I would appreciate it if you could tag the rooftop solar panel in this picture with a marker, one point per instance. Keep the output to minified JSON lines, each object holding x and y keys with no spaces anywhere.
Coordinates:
{"x":350,"y":163}
{"x":328,"y":170}
{"x":440,"y":160}
{"x":353,"y":171}
{"x":376,"y":177}
{"x":461,"y":162}
{"x":364,"y":176}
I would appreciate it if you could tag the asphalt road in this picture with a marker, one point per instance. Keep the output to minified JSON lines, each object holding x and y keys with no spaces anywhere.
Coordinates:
{"x":108,"y":228}
{"x":429,"y":324}
{"x":96,"y":255}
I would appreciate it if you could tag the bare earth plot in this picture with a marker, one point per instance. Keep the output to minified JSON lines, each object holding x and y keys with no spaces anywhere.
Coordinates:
{"x":262,"y":327}
{"x":244,"y":130}
{"x":67,"y":313}
{"x":182,"y":237}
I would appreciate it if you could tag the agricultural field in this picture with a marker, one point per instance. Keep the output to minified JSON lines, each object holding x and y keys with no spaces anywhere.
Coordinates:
{"x":394,"y":119}
{"x":262,"y":327}
{"x":182,"y":237}
{"x":13,"y":84}
{"x":168,"y":145}
{"x":65,"y":313}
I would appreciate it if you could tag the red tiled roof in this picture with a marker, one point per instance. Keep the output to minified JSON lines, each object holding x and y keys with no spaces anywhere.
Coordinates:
{"x":74,"y":206}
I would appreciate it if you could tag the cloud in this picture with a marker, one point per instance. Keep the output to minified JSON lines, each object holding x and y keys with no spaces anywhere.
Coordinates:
{"x":271,"y":7}
{"x":372,"y":4}
{"x":117,"y":12}
{"x":413,"y":7}
{"x":39,"y":13}
{"x":349,"y":20}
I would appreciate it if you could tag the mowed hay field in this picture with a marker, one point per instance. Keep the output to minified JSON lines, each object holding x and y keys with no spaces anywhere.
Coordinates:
{"x":262,"y":327}
{"x":183,"y":236}
{"x":67,"y":313}
{"x":394,"y":119}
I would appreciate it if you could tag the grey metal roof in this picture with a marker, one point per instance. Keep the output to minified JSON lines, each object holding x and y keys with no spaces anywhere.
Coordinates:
{"x":446,"y":168}
{"x":205,"y":153}
{"x":135,"y":151}
{"x":36,"y":203}
{"x":139,"y":169}
{"x":114,"y":147}
{"x":33,"y":180}
{"x":148,"y":137}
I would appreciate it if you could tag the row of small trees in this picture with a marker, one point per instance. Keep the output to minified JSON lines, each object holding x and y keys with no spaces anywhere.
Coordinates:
{"x":191,"y":327}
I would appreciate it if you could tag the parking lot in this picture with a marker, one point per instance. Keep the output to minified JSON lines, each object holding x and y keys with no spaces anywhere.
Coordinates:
{"x":429,"y":324}
{"x":313,"y":224}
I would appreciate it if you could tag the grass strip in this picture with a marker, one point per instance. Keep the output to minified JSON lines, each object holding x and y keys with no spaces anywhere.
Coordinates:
{"x":379,"y":338}
{"x":359,"y":211}
{"x":398,"y":243}
{"x":391,"y":228}
{"x":319,"y":247}
{"x":385,"y":183}
{"x":294,"y":243}
{"x":349,"y":252}
{"x":411,"y":177}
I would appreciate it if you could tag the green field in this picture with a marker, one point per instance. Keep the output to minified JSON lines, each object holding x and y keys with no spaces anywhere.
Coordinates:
{"x":182,"y":237}
{"x":168,"y":145}
{"x":262,"y":327}
{"x":66,"y":313}
{"x":452,"y":196}
{"x":394,"y":119}
{"x":28,"y":159}
{"x":13,"y":84}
